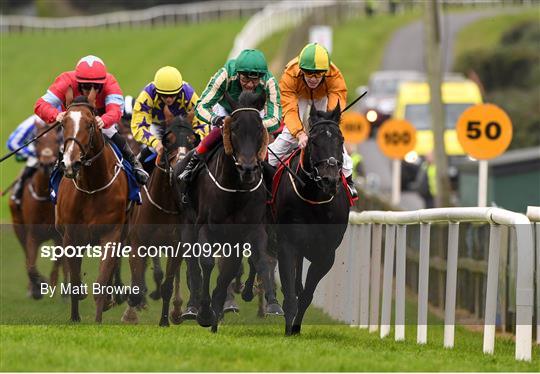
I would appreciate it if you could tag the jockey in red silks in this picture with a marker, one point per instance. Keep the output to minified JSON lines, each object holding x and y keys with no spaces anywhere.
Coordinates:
{"x":89,"y":73}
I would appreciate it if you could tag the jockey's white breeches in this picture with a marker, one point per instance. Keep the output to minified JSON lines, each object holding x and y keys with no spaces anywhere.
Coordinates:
{"x":109,"y":132}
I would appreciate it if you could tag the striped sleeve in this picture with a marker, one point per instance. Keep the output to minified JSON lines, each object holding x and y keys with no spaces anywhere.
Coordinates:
{"x":142,"y":119}
{"x":212,"y":94}
{"x":273,"y":106}
{"x":23,"y":133}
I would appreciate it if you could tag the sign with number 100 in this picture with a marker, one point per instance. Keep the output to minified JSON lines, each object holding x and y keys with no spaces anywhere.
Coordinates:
{"x":396,"y":138}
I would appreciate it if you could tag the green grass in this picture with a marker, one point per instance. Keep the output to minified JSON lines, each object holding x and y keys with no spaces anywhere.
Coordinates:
{"x":36,"y":336}
{"x":486,"y":33}
{"x":29,"y":62}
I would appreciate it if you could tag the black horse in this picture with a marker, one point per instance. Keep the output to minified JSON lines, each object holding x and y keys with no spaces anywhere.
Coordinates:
{"x":227,"y":200}
{"x":310,"y":220}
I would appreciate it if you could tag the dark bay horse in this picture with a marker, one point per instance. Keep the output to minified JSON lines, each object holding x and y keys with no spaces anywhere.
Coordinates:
{"x":228,"y":200}
{"x":33,"y":221}
{"x":310,"y":220}
{"x":156,"y":221}
{"x":92,"y":198}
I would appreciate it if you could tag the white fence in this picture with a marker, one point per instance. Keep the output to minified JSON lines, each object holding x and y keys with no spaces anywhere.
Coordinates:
{"x":351,"y":291}
{"x":164,"y":14}
{"x":533,"y":213}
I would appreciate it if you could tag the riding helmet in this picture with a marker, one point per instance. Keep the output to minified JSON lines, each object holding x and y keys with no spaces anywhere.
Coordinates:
{"x":168,"y":80}
{"x":90,"y":69}
{"x":252,"y":62}
{"x":314,"y":57}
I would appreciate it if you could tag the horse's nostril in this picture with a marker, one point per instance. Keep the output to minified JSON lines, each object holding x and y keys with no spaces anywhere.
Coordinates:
{"x":77,"y":165}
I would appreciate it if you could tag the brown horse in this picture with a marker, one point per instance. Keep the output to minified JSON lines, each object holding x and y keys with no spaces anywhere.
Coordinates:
{"x":156,"y":221}
{"x":92,"y":198}
{"x":153,"y":223}
{"x":33,"y":221}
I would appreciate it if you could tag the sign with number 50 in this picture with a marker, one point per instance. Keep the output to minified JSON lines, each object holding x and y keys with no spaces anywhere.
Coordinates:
{"x":484,"y":131}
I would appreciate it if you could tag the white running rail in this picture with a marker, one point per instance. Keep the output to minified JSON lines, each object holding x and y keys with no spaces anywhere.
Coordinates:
{"x":533,"y":213}
{"x":351,"y":290}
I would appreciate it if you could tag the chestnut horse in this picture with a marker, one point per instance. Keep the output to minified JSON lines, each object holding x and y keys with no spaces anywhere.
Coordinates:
{"x":92,"y":197}
{"x":33,"y":221}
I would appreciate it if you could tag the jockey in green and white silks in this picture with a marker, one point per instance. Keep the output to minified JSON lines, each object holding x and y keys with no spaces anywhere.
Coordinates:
{"x":249,"y":71}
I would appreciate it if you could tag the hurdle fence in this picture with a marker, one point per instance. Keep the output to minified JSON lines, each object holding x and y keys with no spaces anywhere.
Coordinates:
{"x":351,"y":292}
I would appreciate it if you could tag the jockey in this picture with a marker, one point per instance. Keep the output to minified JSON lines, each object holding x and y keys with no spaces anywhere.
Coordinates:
{"x":23,"y":133}
{"x":168,"y":96}
{"x":89,"y":73}
{"x":248,"y":71}
{"x":308,"y":79}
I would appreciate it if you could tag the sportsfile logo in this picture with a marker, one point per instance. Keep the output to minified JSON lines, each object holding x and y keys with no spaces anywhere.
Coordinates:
{"x":117,"y":249}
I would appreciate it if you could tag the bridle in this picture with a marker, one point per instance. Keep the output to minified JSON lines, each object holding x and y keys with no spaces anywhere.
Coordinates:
{"x":236,"y":163}
{"x":89,"y":147}
{"x":315,"y":165}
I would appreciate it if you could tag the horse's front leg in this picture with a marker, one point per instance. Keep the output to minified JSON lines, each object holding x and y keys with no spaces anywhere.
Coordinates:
{"x":317,"y":270}
{"x":287,"y":270}
{"x":173,"y":264}
{"x":206,"y":316}
{"x":228,"y":271}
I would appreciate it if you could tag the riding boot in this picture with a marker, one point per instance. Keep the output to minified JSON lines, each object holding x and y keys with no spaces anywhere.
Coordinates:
{"x":187,"y":174}
{"x":140,"y":174}
{"x":148,"y":166}
{"x":18,"y":187}
{"x":352,"y":188}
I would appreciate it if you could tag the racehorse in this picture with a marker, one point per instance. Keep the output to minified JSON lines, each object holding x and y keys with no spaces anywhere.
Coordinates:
{"x":155,"y":222}
{"x":228,"y":200}
{"x":33,"y":221}
{"x":311,"y":220}
{"x":92,"y":197}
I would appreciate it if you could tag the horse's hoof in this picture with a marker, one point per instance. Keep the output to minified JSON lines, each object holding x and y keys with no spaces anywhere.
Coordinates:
{"x":190,"y":313}
{"x":214,"y":328}
{"x":76,"y":319}
{"x":155,"y":295}
{"x":296,"y":329}
{"x":274,"y":309}
{"x":130,"y":316}
{"x":164,"y":322}
{"x":231,"y":306}
{"x":247,"y":294}
{"x":206,"y":318}
{"x":176,"y":317}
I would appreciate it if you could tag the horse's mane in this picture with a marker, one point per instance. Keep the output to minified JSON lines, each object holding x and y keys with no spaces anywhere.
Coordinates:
{"x":80,"y":100}
{"x":249,"y":99}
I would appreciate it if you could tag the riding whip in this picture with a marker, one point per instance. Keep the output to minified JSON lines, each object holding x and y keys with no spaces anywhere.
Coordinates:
{"x":29,"y":142}
{"x":354,"y":102}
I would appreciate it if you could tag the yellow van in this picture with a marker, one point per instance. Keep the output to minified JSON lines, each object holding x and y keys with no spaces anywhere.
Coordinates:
{"x":413,"y":105}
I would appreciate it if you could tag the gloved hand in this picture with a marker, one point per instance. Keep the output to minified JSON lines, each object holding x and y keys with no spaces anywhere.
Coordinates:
{"x":218,"y":121}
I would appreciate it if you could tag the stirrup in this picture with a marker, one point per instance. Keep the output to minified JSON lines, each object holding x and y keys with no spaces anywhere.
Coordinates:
{"x":141,"y":175}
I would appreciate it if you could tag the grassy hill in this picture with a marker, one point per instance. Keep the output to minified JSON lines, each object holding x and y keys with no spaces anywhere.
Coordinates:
{"x":30,"y":62}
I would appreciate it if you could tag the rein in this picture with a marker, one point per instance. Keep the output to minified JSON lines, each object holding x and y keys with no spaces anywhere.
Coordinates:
{"x":118,"y":167}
